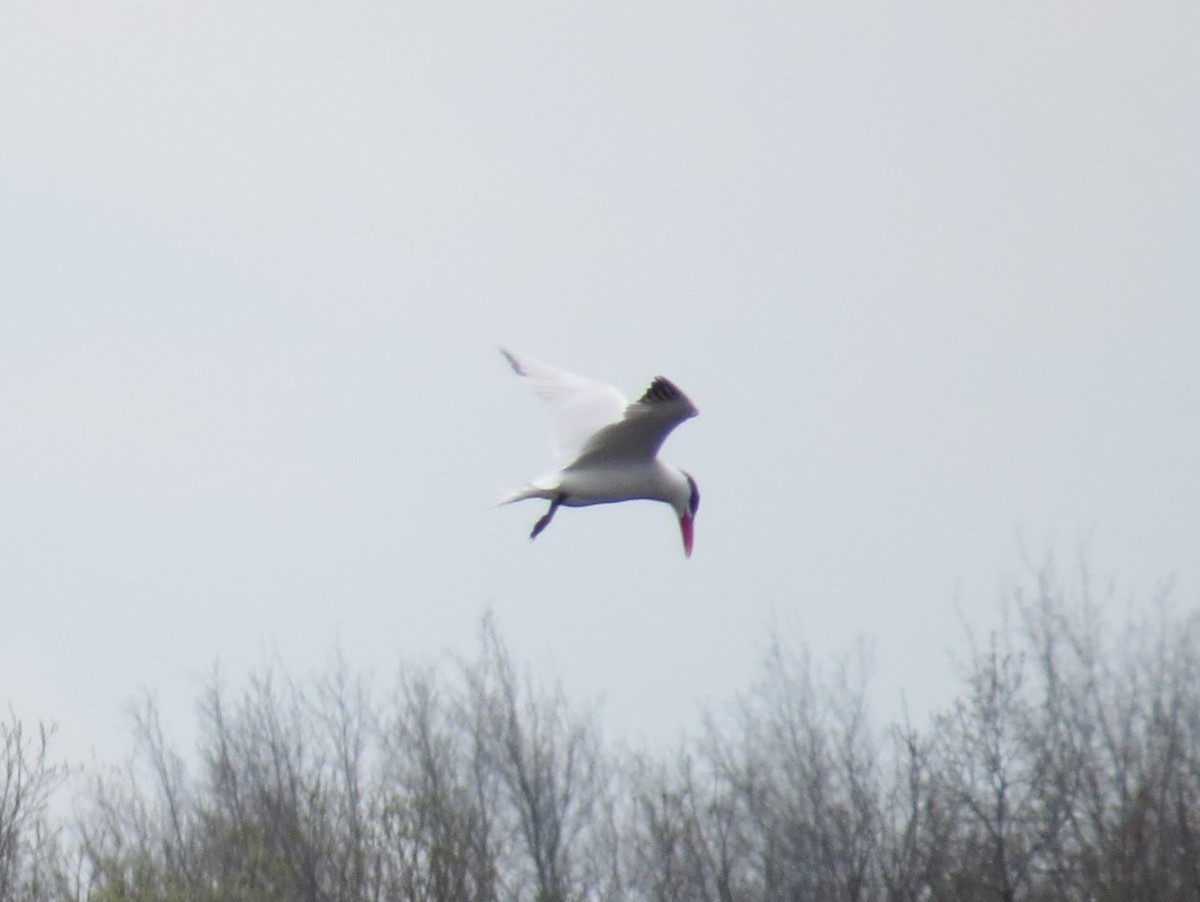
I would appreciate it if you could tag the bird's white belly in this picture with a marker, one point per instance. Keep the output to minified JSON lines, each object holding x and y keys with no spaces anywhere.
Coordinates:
{"x":606,"y":486}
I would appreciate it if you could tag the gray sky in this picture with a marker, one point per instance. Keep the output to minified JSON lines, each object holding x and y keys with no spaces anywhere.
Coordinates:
{"x":929,"y":271}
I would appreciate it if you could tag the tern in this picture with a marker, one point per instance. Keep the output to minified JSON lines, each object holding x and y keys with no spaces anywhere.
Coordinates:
{"x":607,"y":446}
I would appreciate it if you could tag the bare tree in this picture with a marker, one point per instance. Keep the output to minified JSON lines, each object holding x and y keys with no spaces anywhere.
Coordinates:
{"x":551,"y":782}
{"x":28,"y":777}
{"x":435,"y":809}
{"x":921,"y":822}
{"x":686,"y":840}
{"x":993,"y":775}
{"x":344,"y":713}
{"x":136,"y":838}
{"x":786,"y":804}
{"x":807,"y":779}
{"x":1067,"y":768}
{"x":1122,"y":708}
{"x":276,"y":815}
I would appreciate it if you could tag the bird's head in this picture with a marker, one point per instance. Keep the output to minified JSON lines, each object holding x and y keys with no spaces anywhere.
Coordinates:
{"x":686,"y":504}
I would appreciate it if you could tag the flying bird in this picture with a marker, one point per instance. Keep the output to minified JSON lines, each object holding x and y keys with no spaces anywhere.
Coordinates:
{"x":608,"y":447}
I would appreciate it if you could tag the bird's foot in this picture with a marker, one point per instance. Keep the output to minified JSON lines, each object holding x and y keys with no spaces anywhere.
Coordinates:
{"x":549,"y":515}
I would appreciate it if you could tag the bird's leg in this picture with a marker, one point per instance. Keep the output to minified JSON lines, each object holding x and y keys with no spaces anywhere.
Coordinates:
{"x":545,"y":521}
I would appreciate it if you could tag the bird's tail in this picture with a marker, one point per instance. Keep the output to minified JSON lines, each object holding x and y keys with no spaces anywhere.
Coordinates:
{"x":522,"y":494}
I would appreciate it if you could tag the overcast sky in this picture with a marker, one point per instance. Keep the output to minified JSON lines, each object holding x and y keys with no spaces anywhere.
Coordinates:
{"x":929,"y":271}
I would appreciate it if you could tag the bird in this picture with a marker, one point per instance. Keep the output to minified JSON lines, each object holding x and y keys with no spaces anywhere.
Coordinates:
{"x":607,"y":447}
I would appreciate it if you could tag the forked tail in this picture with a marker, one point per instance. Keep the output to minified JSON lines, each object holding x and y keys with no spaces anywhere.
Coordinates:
{"x":523,"y":494}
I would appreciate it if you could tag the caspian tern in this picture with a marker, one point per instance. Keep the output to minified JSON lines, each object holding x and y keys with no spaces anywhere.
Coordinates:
{"x":608,"y":446}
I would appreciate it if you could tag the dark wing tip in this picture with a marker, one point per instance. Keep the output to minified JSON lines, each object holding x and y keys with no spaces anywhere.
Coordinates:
{"x":513,"y":362}
{"x":661,"y":391}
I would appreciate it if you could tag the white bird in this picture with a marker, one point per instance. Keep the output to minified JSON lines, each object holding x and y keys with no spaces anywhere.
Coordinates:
{"x":607,"y":446}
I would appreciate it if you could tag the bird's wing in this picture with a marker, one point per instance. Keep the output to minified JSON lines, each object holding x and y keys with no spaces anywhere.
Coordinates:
{"x":638,"y":435}
{"x":579,"y":407}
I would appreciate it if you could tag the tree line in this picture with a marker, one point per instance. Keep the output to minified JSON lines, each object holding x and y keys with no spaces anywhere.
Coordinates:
{"x":1066,"y":768}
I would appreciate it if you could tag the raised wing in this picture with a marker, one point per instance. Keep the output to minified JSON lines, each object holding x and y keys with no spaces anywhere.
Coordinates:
{"x":639,"y":434}
{"x":579,"y":407}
